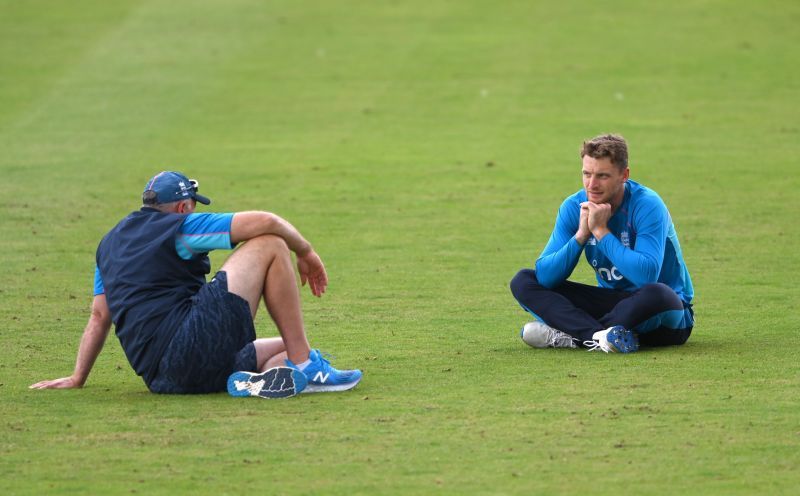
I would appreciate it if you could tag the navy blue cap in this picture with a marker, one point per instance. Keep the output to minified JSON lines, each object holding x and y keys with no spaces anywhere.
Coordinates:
{"x":170,"y":186}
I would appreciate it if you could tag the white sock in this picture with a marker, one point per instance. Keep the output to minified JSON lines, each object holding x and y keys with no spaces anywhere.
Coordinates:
{"x":302,"y":366}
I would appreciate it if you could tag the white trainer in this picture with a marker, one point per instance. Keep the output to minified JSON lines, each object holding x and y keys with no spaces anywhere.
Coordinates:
{"x":540,"y":335}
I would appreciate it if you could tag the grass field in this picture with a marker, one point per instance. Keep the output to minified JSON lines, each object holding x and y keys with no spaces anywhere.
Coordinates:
{"x":423,"y":147}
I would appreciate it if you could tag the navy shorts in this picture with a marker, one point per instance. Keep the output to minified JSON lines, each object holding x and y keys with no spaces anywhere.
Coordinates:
{"x":215,"y":340}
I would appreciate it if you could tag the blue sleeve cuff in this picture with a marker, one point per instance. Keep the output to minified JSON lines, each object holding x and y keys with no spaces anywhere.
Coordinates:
{"x":98,"y":282}
{"x":201,"y":233}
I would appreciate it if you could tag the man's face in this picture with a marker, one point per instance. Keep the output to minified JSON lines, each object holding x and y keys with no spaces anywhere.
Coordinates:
{"x":603,"y":181}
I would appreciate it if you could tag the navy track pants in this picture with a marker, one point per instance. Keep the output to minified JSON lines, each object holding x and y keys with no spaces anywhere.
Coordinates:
{"x":654,"y":311}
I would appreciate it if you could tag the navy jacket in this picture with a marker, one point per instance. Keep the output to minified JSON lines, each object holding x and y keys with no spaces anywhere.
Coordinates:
{"x":148,"y":287}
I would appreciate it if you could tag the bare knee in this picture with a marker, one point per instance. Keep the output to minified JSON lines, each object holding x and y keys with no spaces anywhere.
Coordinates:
{"x":269,"y":244}
{"x":247,"y":266}
{"x":269,"y":240}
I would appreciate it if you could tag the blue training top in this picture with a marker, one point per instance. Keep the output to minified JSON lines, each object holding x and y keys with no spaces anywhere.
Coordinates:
{"x":149,"y":266}
{"x":642,"y":247}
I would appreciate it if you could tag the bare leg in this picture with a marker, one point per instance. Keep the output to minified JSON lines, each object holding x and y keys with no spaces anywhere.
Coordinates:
{"x":275,"y":361}
{"x":270,"y":352}
{"x":263,"y":268}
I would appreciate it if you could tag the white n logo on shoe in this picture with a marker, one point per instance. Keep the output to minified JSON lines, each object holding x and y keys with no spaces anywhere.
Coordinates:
{"x":320,"y":377}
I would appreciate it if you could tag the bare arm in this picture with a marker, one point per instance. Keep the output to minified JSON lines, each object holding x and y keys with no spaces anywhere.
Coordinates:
{"x":248,"y":225}
{"x":94,"y":336}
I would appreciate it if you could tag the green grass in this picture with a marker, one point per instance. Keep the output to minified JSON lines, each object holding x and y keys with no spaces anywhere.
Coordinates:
{"x":423,"y":147}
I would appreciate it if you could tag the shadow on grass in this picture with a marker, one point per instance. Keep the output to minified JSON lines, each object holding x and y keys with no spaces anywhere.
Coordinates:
{"x":691,"y":347}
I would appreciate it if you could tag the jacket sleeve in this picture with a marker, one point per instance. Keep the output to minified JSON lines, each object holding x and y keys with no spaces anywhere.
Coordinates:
{"x":642,"y":263}
{"x":561,"y":254}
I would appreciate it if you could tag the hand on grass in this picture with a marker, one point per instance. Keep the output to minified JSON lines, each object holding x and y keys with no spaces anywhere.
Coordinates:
{"x":313,"y":272}
{"x":62,"y":383}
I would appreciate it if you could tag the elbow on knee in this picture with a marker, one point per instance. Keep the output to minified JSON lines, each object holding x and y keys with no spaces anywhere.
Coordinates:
{"x":272,"y":242}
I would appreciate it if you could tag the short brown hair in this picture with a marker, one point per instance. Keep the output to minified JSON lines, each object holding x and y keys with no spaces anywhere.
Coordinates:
{"x":612,"y":146}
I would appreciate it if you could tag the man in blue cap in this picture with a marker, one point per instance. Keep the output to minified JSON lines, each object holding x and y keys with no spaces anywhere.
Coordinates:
{"x":184,"y":335}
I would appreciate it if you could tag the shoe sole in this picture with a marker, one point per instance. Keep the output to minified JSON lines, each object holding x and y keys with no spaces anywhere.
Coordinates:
{"x":622,"y":340}
{"x":275,"y":383}
{"x":330,"y":388}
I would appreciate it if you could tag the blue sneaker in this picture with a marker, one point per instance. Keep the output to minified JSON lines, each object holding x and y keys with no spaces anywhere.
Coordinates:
{"x":324,"y":378}
{"x":615,"y":339}
{"x":277,"y":382}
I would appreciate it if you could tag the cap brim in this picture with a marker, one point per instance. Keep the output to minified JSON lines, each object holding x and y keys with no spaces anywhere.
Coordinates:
{"x":202,"y":199}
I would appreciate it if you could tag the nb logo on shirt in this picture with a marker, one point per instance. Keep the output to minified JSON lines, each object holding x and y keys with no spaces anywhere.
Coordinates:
{"x":609,"y":275}
{"x":320,"y":377}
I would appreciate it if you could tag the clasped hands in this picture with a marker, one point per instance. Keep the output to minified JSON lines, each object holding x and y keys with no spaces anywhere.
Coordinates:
{"x":593,"y":221}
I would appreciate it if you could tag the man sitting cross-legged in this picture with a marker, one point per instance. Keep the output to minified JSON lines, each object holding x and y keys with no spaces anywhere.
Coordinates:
{"x":627,"y":235}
